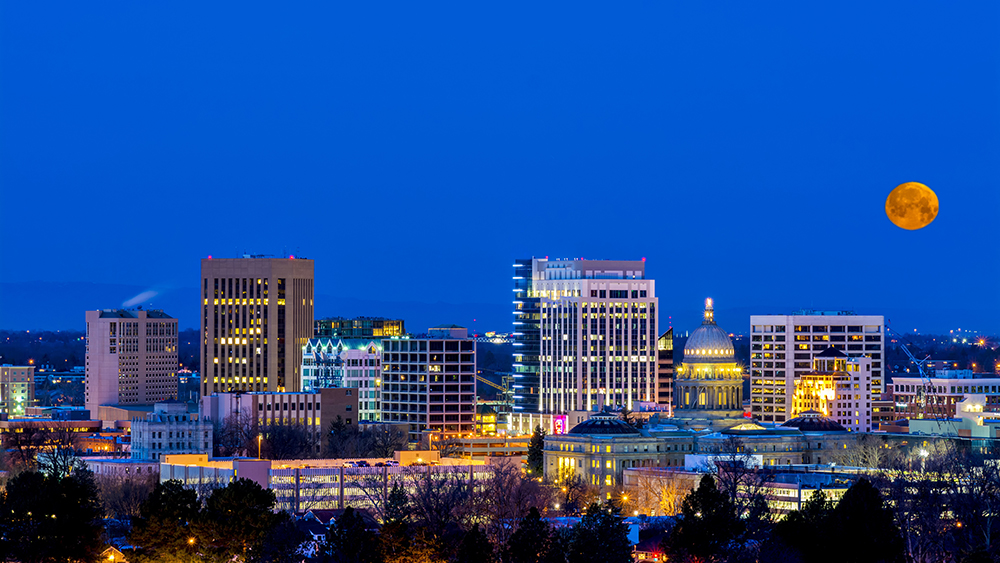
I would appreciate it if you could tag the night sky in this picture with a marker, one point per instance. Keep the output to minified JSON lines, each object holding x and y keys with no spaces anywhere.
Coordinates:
{"x":415,"y":149}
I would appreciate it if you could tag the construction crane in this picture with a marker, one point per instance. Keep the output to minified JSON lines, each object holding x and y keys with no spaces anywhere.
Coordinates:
{"x":506,"y":393}
{"x":926,"y":387}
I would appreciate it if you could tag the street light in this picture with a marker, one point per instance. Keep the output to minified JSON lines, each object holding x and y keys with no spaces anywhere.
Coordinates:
{"x":259,"y":438}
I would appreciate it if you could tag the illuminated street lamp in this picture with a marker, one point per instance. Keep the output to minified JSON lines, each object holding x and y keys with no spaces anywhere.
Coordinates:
{"x":260,"y":437}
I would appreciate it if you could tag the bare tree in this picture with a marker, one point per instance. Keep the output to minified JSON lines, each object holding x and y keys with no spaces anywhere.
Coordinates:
{"x":657,"y":494}
{"x":287,"y":441}
{"x":386,"y":440}
{"x":122,"y":495}
{"x":504,"y":497}
{"x":744,"y":483}
{"x":236,"y":435}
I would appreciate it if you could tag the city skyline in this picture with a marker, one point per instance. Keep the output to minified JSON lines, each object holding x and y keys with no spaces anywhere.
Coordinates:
{"x":731,"y":141}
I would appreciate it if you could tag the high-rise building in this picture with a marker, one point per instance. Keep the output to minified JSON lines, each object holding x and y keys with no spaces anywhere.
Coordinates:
{"x":257,"y":314}
{"x":17,"y":389}
{"x":359,"y":327}
{"x":330,"y":363}
{"x":665,"y":370}
{"x":131,"y":358}
{"x":527,"y":339}
{"x":708,"y":390}
{"x":597,"y":334}
{"x":782,"y":348}
{"x":839,"y":388}
{"x":430,"y":384}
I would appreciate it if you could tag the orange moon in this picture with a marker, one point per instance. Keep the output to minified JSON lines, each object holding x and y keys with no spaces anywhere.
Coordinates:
{"x":911,"y":206}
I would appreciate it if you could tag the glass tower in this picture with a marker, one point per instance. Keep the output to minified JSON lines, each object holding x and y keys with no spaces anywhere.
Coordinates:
{"x":527,"y":340}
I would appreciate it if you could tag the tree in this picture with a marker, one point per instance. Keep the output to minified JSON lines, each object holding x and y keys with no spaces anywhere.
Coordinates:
{"x":235,"y":522}
{"x":536,"y":455}
{"x":349,"y":541}
{"x":50,"y":518}
{"x":386,"y":440}
{"x":287,"y":441}
{"x":862,"y":516}
{"x":601,"y":536}
{"x":165,"y":524}
{"x":122,"y":497}
{"x":532,"y":541}
{"x":475,"y":547}
{"x":707,"y":528}
{"x":505,"y":496}
{"x":283,"y":541}
{"x":236,"y":435}
{"x":806,"y":530}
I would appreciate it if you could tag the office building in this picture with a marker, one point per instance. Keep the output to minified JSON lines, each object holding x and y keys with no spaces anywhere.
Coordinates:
{"x":349,"y":363}
{"x":708,"y":387}
{"x":527,"y":340}
{"x":169,"y":429}
{"x":838,"y":387}
{"x":782,"y":348}
{"x":429,"y":383}
{"x":358,"y":328}
{"x":257,"y":314}
{"x":131,"y":358}
{"x":665,"y":370}
{"x":939,"y":395}
{"x":597,"y":334}
{"x":17,"y":389}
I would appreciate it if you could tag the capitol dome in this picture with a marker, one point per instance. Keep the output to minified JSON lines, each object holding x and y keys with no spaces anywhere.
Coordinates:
{"x":604,"y":423}
{"x":709,"y":344}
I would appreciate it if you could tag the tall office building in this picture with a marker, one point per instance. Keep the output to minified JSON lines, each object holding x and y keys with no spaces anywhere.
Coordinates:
{"x":131,"y":358}
{"x":527,"y":339}
{"x":838,"y":387}
{"x":783,"y":347}
{"x":430,"y":383}
{"x":257,"y":314}
{"x":597,"y":334}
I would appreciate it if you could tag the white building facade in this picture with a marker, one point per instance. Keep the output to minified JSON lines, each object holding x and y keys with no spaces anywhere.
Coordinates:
{"x":348,"y":363}
{"x":782,"y":348}
{"x":169,"y":429}
{"x":599,"y":328}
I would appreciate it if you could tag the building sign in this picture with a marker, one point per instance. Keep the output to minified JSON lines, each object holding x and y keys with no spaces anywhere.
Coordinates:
{"x":559,"y":424}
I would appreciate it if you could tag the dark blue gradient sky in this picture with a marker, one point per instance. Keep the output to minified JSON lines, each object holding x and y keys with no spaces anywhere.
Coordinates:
{"x":414,"y":149}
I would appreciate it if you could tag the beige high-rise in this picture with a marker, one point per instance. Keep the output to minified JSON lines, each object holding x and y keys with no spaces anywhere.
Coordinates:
{"x":257,"y":314}
{"x":131,"y":358}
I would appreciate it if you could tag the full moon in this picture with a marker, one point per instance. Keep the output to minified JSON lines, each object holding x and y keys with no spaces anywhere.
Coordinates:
{"x":911,"y":206}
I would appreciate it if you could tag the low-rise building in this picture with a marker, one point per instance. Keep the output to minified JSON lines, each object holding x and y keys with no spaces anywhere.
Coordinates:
{"x":170,"y":429}
{"x":937,"y":396}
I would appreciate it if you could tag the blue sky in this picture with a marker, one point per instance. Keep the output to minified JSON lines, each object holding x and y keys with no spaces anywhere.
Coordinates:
{"x":413,"y":150}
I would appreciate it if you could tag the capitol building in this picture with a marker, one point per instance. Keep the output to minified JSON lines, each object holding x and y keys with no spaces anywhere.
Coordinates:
{"x":708,"y":389}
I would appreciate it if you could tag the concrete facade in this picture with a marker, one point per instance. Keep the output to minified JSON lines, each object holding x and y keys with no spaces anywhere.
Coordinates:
{"x":169,"y":429}
{"x":782,"y":348}
{"x":430,"y":384}
{"x":598,"y":333}
{"x":17,"y":390}
{"x":131,"y":358}
{"x":257,"y":314}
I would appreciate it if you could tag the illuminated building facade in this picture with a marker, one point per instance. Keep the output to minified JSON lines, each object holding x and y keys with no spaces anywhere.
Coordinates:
{"x":938,"y":396}
{"x":708,"y":388}
{"x":359,"y":328}
{"x":527,"y":339}
{"x":257,"y":314}
{"x":348,"y":363}
{"x":665,"y":370}
{"x":17,"y":389}
{"x":429,"y":383}
{"x":782,"y":348}
{"x":838,"y":387}
{"x":131,"y":358}
{"x":597,"y":331}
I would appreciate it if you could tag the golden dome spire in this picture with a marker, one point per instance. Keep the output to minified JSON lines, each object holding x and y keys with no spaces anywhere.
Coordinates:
{"x":709,"y":312}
